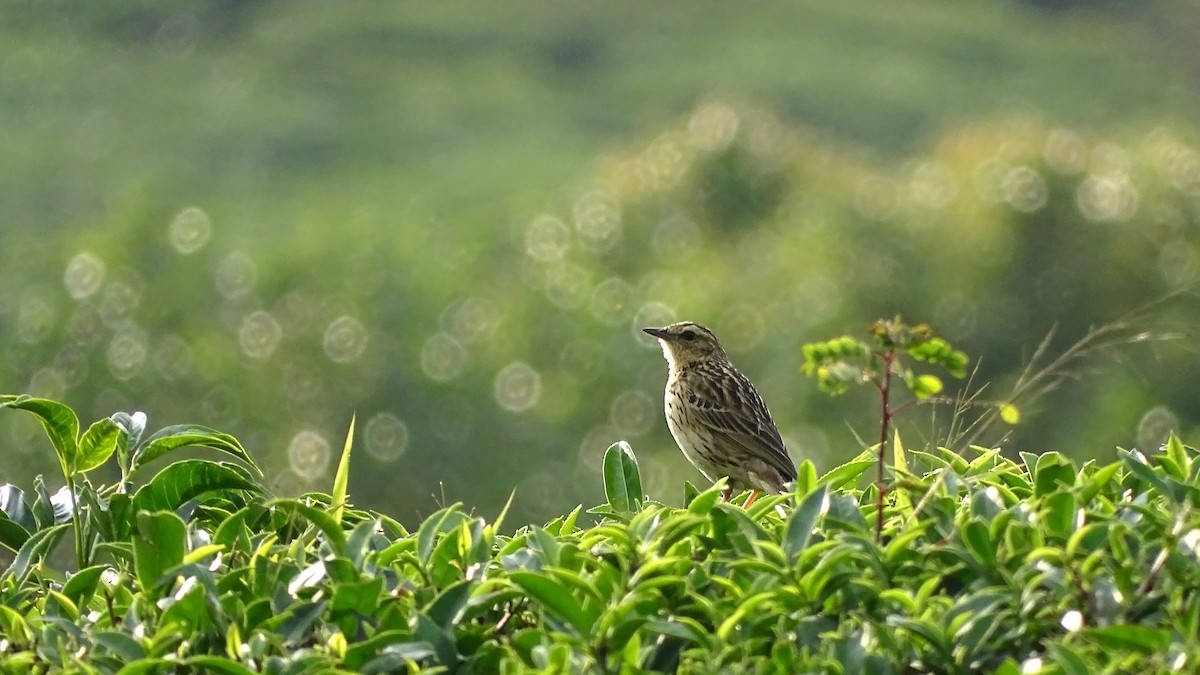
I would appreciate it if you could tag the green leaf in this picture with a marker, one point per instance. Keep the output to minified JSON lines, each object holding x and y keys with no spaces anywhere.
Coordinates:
{"x":14,"y":627}
{"x":442,"y":520}
{"x":59,"y":421}
{"x":188,"y":479}
{"x":120,"y":644}
{"x":1143,"y":471}
{"x":924,"y":386}
{"x":341,"y":479}
{"x":1053,"y":471}
{"x":447,"y":608}
{"x":158,"y":546}
{"x":1069,"y":660}
{"x":98,"y":443}
{"x":1131,"y":637}
{"x":37,"y":547}
{"x":361,"y":597}
{"x":802,"y":521}
{"x":556,"y":599}
{"x":1179,"y":456}
{"x":846,"y":475}
{"x":217,"y":664}
{"x":172,"y":438}
{"x":622,"y":479}
{"x":806,"y":478}
{"x":82,"y":584}
{"x":12,"y":535}
{"x":1059,"y":514}
{"x":318,"y":517}
{"x":975,"y":535}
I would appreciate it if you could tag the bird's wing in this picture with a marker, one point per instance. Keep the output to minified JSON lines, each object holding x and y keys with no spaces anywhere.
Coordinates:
{"x":739,"y":414}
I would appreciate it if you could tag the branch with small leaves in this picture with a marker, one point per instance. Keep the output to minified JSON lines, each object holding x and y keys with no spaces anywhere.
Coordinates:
{"x":839,"y":363}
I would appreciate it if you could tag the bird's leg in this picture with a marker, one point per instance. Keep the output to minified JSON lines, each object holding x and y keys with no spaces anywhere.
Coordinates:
{"x":750,"y":499}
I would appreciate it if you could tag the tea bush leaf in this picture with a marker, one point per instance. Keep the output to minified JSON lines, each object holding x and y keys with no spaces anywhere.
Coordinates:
{"x":188,"y":479}
{"x":172,"y":438}
{"x":158,"y":546}
{"x":59,"y":421}
{"x":622,"y":478}
{"x":98,"y":443}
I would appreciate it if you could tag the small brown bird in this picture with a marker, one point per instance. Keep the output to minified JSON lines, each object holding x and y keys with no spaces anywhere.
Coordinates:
{"x":717,"y":417}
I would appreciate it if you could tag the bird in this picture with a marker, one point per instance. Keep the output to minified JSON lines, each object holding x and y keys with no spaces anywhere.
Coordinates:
{"x":717,"y":417}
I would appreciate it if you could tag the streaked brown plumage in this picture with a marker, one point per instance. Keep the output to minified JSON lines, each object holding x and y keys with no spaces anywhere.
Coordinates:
{"x":717,"y":417}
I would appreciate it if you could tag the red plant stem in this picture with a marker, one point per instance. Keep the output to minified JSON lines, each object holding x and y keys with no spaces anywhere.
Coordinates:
{"x":885,"y":420}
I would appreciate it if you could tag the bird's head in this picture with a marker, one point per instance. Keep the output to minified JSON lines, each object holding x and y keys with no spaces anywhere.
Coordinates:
{"x":686,"y":343}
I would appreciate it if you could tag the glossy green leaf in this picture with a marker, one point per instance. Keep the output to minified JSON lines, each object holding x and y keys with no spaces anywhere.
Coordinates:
{"x":169,"y":439}
{"x":99,"y":443}
{"x":82,"y":584}
{"x":218,"y":665}
{"x":846,"y":475}
{"x":556,"y":599}
{"x":975,"y":535}
{"x":802,"y":521}
{"x":341,"y":479}
{"x":1137,"y":467}
{"x":59,"y":421}
{"x":1053,"y":472}
{"x":622,"y":478}
{"x":14,"y":627}
{"x":187,"y":480}
{"x":317,"y":517}
{"x":37,"y":547}
{"x":12,"y":535}
{"x":1144,"y":639}
{"x":158,"y":546}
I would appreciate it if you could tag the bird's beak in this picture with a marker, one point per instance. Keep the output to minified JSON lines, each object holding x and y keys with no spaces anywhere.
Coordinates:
{"x":659,"y":333}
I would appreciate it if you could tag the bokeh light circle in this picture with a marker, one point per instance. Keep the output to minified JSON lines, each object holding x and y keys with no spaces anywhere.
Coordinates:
{"x":612,"y":300}
{"x":633,"y":412}
{"x":345,"y":339}
{"x":121,"y":297}
{"x":259,"y":334}
{"x":173,"y":358}
{"x":190,"y":230}
{"x":386,"y":437}
{"x":676,"y":238}
{"x":567,"y":285}
{"x":84,"y":275}
{"x":1155,"y":427}
{"x":308,"y":454}
{"x":1066,"y":152}
{"x":1107,"y":198}
{"x":127,"y":352}
{"x":547,"y":239}
{"x":442,"y":357}
{"x":597,"y":221}
{"x":581,"y":360}
{"x":236,"y":276}
{"x":35,"y":318}
{"x":517,"y":387}
{"x":650,"y":315}
{"x":1024,"y":189}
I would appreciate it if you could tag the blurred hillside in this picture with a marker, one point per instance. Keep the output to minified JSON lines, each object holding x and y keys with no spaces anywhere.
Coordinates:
{"x":451,"y":218}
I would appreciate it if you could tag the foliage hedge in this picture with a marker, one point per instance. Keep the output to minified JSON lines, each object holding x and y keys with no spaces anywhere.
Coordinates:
{"x":986,"y":564}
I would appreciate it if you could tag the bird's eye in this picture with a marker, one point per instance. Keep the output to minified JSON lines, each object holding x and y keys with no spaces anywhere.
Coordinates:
{"x":688,"y":335}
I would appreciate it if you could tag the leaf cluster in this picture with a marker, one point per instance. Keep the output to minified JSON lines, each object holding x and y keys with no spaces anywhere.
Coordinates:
{"x":987,"y":563}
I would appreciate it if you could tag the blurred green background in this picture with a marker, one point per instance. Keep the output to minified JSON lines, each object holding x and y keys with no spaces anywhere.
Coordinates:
{"x":451,"y":218}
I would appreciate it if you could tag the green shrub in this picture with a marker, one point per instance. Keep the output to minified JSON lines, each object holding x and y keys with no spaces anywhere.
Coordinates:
{"x":987,"y":564}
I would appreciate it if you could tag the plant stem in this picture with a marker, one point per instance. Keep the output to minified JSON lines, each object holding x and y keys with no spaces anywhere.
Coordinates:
{"x":77,"y":523}
{"x":885,"y":418}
